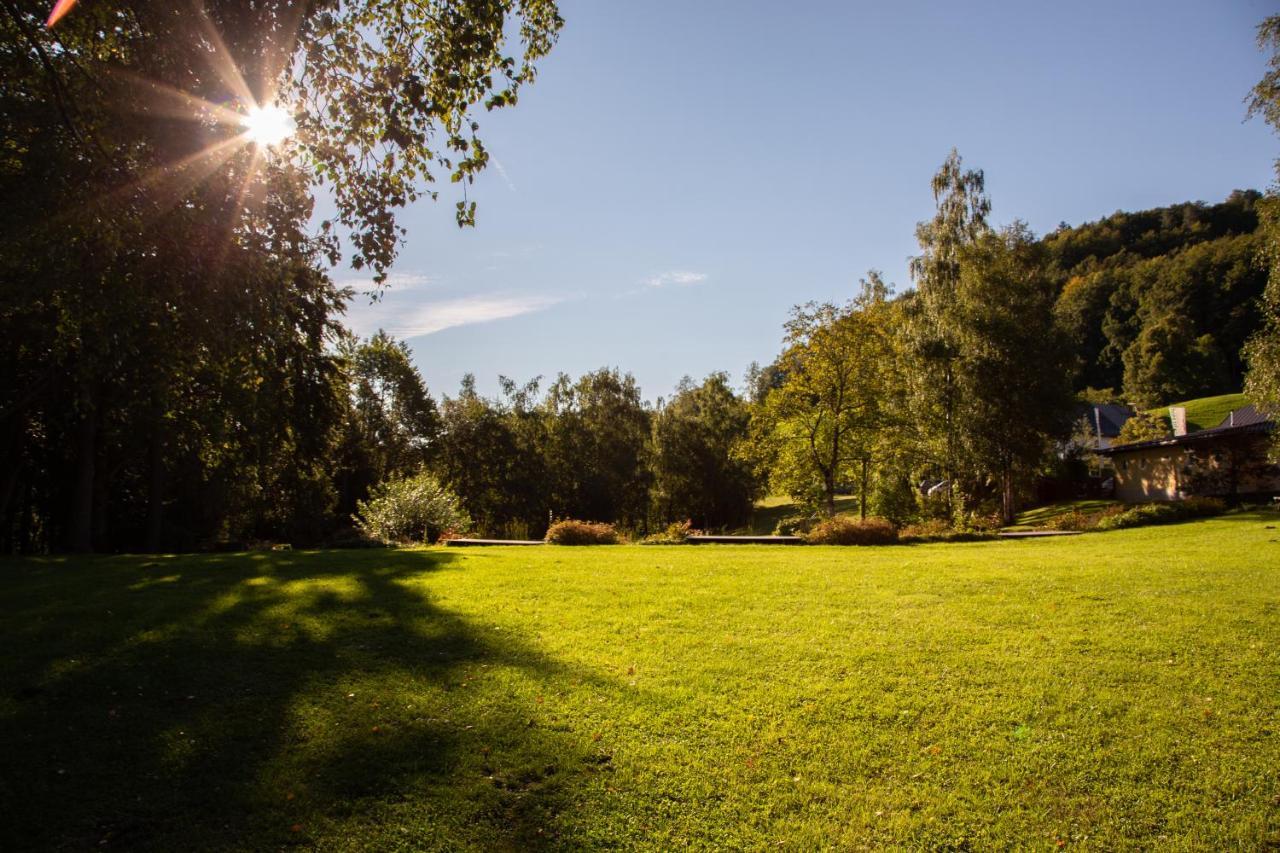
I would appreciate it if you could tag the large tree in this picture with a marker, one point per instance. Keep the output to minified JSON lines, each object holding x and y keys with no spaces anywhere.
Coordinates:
{"x":164,"y":316}
{"x":960,"y":218}
{"x":698,"y":473}
{"x":828,"y":421}
{"x":1263,"y":352}
{"x":1014,"y":365}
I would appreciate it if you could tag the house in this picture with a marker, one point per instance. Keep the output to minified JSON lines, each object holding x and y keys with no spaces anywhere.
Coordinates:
{"x":1229,"y":461}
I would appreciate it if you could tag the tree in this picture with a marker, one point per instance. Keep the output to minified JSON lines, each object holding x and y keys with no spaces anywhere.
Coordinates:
{"x":1142,"y":426}
{"x":166,"y":325}
{"x":697,"y":475}
{"x":391,"y":421}
{"x":1263,"y":351}
{"x":962,"y":207}
{"x":597,"y":450}
{"x":1013,"y":367}
{"x":825,"y":425}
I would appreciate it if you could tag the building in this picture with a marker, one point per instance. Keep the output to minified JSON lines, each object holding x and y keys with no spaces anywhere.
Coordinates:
{"x":1228,"y":461}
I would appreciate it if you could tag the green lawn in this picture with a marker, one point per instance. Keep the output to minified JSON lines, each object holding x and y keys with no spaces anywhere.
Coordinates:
{"x":1108,"y":691}
{"x":1206,"y":412}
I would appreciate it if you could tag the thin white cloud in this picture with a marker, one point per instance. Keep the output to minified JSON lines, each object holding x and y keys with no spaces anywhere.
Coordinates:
{"x":678,"y":278}
{"x":503,"y":172}
{"x":395,"y":281}
{"x":427,"y":318}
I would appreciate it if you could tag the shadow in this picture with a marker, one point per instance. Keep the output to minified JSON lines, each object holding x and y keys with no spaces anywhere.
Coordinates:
{"x":263,"y":701}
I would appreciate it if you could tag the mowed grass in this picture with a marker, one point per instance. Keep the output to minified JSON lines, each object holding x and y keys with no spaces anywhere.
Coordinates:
{"x":1107,"y":691}
{"x":1205,"y":412}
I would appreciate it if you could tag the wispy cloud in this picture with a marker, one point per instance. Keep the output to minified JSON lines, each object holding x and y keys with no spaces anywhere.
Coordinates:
{"x":503,"y":172}
{"x":426,"y":318}
{"x":675,"y":278}
{"x":396,"y":281}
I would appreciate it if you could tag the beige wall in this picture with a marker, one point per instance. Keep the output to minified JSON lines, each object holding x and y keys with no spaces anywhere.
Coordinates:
{"x":1169,"y":473}
{"x":1149,"y":475}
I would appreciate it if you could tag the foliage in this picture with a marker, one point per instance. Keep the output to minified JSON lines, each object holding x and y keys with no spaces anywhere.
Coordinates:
{"x":1013,"y":364}
{"x":1263,"y":350}
{"x":1078,"y":520}
{"x":1184,"y":276}
{"x":391,"y":421}
{"x":830,"y":418}
{"x":167,"y":329}
{"x":843,"y":530}
{"x":697,"y":472}
{"x":797,"y":524}
{"x":571,"y":532}
{"x":940,"y":530}
{"x":1143,"y":426}
{"x":411,"y":509}
{"x":676,"y":533}
{"x":1162,"y":513}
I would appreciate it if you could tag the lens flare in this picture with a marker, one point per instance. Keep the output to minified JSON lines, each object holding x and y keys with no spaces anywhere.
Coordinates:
{"x":268,"y":125}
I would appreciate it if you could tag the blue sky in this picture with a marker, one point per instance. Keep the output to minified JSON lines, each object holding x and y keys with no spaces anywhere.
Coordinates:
{"x":682,"y":173}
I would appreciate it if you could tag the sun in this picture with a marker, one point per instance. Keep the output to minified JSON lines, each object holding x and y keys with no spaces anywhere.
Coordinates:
{"x":268,"y":125}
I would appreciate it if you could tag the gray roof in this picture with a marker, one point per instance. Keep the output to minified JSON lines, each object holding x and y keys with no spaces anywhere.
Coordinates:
{"x":1109,"y":417}
{"x":1245,"y":419}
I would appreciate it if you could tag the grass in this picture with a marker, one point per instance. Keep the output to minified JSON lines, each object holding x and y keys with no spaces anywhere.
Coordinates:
{"x":1107,"y":691}
{"x":1206,"y":412}
{"x":1039,"y":518}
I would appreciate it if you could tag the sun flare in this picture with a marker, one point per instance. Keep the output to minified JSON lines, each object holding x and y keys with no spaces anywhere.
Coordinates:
{"x":268,"y":125}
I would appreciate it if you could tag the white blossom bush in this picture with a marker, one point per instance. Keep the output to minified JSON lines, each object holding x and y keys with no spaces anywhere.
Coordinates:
{"x":417,"y":508}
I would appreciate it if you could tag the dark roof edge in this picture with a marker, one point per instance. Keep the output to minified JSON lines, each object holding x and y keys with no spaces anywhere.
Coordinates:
{"x":1189,"y":438}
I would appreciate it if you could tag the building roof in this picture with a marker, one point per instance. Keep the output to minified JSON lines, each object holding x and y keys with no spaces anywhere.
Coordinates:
{"x":1109,"y":417}
{"x":1241,"y":421}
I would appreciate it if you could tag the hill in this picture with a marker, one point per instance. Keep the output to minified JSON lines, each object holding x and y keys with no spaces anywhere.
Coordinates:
{"x":1205,"y":412}
{"x":1160,"y":302}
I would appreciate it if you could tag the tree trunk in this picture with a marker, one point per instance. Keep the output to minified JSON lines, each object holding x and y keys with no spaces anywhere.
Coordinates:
{"x":80,"y":529}
{"x":862,"y":500}
{"x":1007,"y":501}
{"x":829,"y":487}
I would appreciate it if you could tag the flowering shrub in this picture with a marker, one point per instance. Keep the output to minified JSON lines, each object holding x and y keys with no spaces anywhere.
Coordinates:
{"x":843,"y":530}
{"x":410,"y":509}
{"x":571,"y":532}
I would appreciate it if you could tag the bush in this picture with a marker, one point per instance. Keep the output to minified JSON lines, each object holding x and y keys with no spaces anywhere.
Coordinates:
{"x":410,"y":509}
{"x":938,"y":530}
{"x":674,"y":534}
{"x":571,"y":532}
{"x":794,"y":525}
{"x":843,"y":530}
{"x":1163,"y":513}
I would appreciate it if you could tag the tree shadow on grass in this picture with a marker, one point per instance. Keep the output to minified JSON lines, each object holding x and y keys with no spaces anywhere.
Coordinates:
{"x":260,"y":701}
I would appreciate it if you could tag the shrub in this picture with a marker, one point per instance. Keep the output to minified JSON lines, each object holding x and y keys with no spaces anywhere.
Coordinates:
{"x":1162,"y":513}
{"x":794,"y":525}
{"x":571,"y":532}
{"x":843,"y":530}
{"x":1073,"y":520}
{"x":674,"y":534}
{"x":410,"y":509}
{"x":938,"y":530}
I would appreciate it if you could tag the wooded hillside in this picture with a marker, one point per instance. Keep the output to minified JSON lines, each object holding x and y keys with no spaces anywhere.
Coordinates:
{"x":1160,"y":302}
